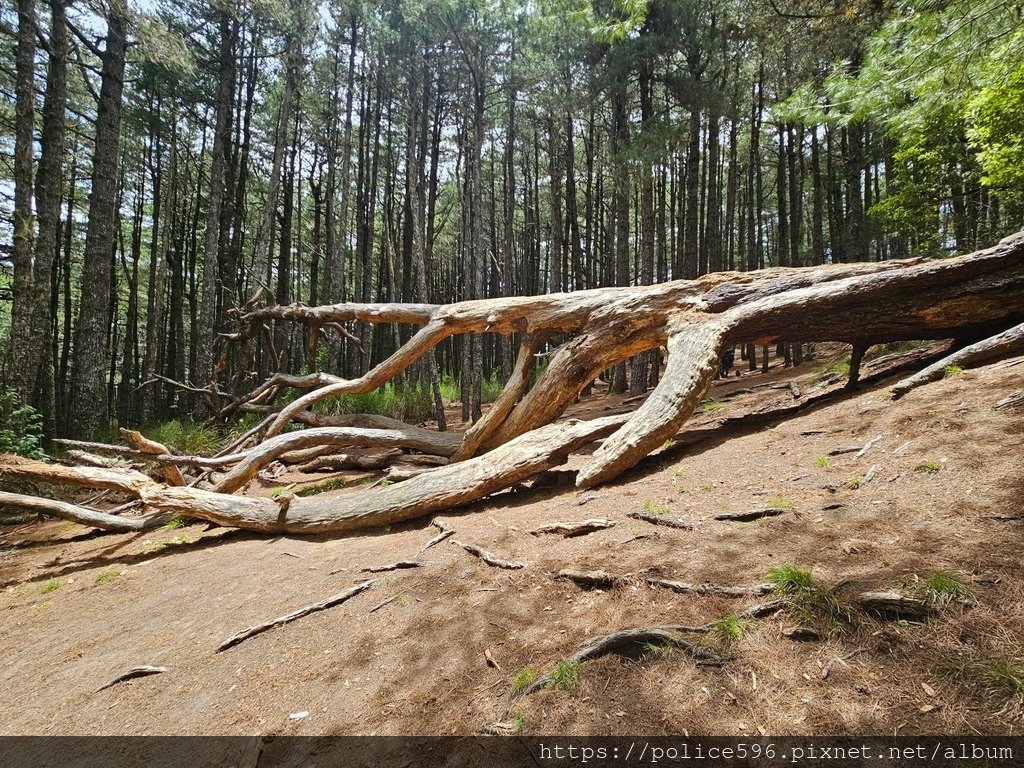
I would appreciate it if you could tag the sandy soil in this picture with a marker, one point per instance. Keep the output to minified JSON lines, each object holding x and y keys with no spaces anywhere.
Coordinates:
{"x":79,"y":608}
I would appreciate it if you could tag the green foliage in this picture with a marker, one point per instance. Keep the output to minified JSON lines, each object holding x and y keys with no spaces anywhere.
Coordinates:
{"x":777,"y":502}
{"x":942,"y":588}
{"x":791,"y":579}
{"x":653,"y":508}
{"x":653,"y":651}
{"x":331,"y":484}
{"x":566,"y":675}
{"x":812,"y":602}
{"x":728,"y":629}
{"x":952,"y":370}
{"x":854,"y":483}
{"x":1002,"y":677}
{"x":523,"y":679}
{"x":50,"y":586}
{"x":21,"y":427}
{"x":821,"y":462}
{"x":518,"y":720}
{"x":174,"y":524}
{"x":106,"y":576}
{"x":929,"y":467}
{"x":186,"y":437}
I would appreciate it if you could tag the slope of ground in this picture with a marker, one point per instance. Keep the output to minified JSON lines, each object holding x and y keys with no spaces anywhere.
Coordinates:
{"x":944,"y":496}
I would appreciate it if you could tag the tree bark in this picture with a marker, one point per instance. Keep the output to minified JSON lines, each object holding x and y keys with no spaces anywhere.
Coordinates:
{"x":89,"y":403}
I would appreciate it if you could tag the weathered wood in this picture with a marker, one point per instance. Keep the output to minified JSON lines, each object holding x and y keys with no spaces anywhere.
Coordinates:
{"x":1017,"y":398}
{"x":1009,"y":342}
{"x":755,"y":514}
{"x":397,"y":566}
{"x":441,"y":443}
{"x":142,"y":671}
{"x":77,"y":514}
{"x":670,"y":522}
{"x":571,"y":530}
{"x":172,"y":475}
{"x":328,"y":602}
{"x":489,"y":557}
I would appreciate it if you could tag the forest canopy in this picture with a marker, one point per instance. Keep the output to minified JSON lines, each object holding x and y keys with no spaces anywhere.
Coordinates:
{"x":167,"y":165}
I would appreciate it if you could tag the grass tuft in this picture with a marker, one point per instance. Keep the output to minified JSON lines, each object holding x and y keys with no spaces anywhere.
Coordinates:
{"x":930,"y":467}
{"x":566,"y":675}
{"x":106,"y":576}
{"x":50,"y":586}
{"x":952,"y":370}
{"x":652,"y":508}
{"x":821,"y":462}
{"x":791,"y":579}
{"x":729,"y":629}
{"x":523,"y":679}
{"x":942,"y":588}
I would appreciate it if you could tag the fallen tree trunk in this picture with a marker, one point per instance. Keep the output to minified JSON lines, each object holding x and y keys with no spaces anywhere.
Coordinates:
{"x":860,"y":304}
{"x":1009,"y":342}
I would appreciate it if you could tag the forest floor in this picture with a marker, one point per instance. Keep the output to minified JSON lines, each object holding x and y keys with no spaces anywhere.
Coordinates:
{"x":947,"y":497}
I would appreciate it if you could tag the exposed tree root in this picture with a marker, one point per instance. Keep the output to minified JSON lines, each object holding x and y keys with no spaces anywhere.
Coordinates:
{"x":755,"y":514}
{"x":445,"y":532}
{"x":670,"y":522}
{"x":571,"y":530}
{"x":329,"y":602}
{"x":630,"y":640}
{"x":400,"y":565}
{"x":141,"y":671}
{"x":489,"y":557}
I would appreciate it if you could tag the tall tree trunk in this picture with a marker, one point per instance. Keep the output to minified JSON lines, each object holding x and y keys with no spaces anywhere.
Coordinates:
{"x":89,"y":406}
{"x":49,"y":185}
{"x":20,"y":370}
{"x":211,"y":278}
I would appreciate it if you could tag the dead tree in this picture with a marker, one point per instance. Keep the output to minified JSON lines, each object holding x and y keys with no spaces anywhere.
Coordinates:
{"x":967,"y":297}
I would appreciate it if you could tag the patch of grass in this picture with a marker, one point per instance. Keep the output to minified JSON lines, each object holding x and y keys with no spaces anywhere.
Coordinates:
{"x":812,"y":602}
{"x":331,"y":484}
{"x":186,"y":437}
{"x":401,"y":598}
{"x":385,"y":482}
{"x":854,"y":483}
{"x":106,"y":576}
{"x":942,"y":588}
{"x":729,"y":629}
{"x":791,"y":579}
{"x":821,"y":462}
{"x":931,"y":467}
{"x":777,"y":502}
{"x":653,"y":651}
{"x":712,"y":405}
{"x":952,"y":370}
{"x":518,"y":720}
{"x":566,"y":675}
{"x":666,"y":445}
{"x":523,"y":679}
{"x":50,"y":586}
{"x":706,"y":488}
{"x":1003,"y":678}
{"x":652,"y":508}
{"x":174,"y":524}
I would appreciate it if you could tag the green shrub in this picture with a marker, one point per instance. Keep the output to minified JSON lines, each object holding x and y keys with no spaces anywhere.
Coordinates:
{"x":21,"y":427}
{"x":185,"y":437}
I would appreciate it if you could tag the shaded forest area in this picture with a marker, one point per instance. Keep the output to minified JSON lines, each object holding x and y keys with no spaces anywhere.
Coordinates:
{"x":168,"y":165}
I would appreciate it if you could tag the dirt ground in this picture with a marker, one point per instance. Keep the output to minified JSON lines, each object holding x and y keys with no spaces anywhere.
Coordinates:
{"x":79,"y":608}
